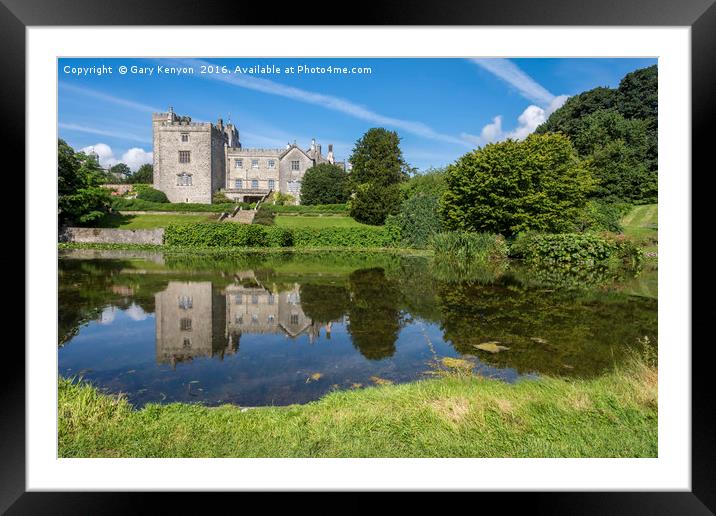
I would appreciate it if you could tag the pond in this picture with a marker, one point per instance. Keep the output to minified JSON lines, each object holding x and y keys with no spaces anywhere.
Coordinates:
{"x":277,"y":329}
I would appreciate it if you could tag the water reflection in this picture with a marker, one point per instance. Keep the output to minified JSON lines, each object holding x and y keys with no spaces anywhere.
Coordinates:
{"x":261,"y":332}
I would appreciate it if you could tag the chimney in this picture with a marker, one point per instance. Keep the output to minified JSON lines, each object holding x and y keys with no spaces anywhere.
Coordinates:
{"x":330,"y":157}
{"x":220,"y":123}
{"x":313,"y":144}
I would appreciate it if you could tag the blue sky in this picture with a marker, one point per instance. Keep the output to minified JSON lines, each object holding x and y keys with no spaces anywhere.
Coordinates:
{"x":441,"y":108}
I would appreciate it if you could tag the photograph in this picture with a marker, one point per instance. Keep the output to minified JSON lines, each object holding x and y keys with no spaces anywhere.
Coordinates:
{"x":349,"y":257}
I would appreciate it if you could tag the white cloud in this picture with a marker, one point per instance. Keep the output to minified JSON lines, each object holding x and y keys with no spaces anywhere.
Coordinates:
{"x":136,"y":313}
{"x":515,"y":77}
{"x":134,"y":157}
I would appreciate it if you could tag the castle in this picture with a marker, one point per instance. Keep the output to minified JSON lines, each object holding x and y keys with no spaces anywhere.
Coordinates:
{"x":193,"y":160}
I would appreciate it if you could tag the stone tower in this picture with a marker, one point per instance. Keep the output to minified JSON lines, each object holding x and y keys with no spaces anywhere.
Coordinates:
{"x":189,"y":157}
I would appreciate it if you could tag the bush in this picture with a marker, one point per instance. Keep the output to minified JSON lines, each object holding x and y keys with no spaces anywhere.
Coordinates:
{"x":417,"y":220}
{"x":344,"y":237}
{"x":575,"y":249}
{"x":461,"y":248}
{"x":226,"y":235}
{"x":152,"y":195}
{"x":324,"y":183}
{"x":220,"y":198}
{"x":601,"y":216}
{"x":373,"y":202}
{"x":281,"y":199}
{"x":264,"y":217}
{"x":513,"y":186}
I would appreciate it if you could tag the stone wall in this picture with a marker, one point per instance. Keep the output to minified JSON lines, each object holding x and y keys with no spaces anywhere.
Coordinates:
{"x":112,"y":236}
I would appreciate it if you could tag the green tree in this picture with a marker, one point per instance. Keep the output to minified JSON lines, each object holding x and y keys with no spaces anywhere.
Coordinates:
{"x":145,"y":174}
{"x":81,"y":199}
{"x":431,"y":182}
{"x":417,"y":220}
{"x":324,"y":184}
{"x":568,"y":118}
{"x":378,"y":168}
{"x":119,"y":172}
{"x":618,"y":151}
{"x":512,"y":186}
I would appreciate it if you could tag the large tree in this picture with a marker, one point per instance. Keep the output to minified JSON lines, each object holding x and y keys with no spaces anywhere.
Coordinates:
{"x":81,"y":199}
{"x":616,"y":131}
{"x":324,"y":184}
{"x":378,"y":167}
{"x":145,"y":174}
{"x":512,"y":186}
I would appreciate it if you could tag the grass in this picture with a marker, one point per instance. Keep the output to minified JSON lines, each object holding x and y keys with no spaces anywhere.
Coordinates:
{"x":150,"y":221}
{"x":329,"y":221}
{"x":641,"y":225}
{"x":454,"y":415}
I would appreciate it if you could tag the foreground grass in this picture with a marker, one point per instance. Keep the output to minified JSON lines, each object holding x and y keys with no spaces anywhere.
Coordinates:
{"x":317,"y":222}
{"x":150,"y":221}
{"x":454,"y":416}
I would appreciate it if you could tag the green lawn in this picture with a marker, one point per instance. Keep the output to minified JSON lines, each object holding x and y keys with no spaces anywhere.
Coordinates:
{"x":641,"y":224}
{"x":326,"y":221}
{"x":457,"y":415}
{"x":115,"y":220}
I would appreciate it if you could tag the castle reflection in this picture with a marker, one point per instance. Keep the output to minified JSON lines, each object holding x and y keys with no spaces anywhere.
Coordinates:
{"x":195,"y":319}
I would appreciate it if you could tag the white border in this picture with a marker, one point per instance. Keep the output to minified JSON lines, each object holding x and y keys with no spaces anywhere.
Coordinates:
{"x":672,"y":468}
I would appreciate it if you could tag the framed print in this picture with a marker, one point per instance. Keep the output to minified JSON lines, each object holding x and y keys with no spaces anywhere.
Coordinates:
{"x":422,"y":243}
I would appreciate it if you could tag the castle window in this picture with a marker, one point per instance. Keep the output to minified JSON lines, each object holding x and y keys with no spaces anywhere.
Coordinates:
{"x":295,"y":165}
{"x":184,"y":156}
{"x":271,"y":299}
{"x":294,"y":187}
{"x":237,"y":299}
{"x":254,"y":299}
{"x":271,"y":163}
{"x":238,"y":163}
{"x":270,"y":319}
{"x":239,"y":319}
{"x":294,"y":318}
{"x":254,"y":163}
{"x":239,"y":183}
{"x":272,"y":184}
{"x":185,"y":302}
{"x":186,"y":344}
{"x":183,"y":179}
{"x":184,"y":137}
{"x":185,"y":324}
{"x":254,"y":183}
{"x":254,"y":319}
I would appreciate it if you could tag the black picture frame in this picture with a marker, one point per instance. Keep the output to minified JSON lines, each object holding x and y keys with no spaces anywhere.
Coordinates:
{"x":700,"y":15}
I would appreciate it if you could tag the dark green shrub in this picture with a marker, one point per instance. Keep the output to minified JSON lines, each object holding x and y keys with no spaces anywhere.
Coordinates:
{"x":324,"y":183}
{"x":227,"y":234}
{"x":373,"y":202}
{"x":220,"y":198}
{"x":264,"y":217}
{"x":152,"y":195}
{"x":417,"y":220}
{"x":601,"y":216}
{"x":344,"y":237}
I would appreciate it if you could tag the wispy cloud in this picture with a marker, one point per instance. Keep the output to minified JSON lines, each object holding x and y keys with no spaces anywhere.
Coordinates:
{"x":104,"y":132}
{"x":87,"y":92}
{"x":328,"y":102}
{"x":518,"y":79}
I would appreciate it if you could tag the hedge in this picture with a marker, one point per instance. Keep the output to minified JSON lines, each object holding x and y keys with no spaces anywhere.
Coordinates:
{"x":256,"y":235}
{"x":228,"y":234}
{"x":122,"y":204}
{"x":302,"y":208}
{"x":344,"y":237}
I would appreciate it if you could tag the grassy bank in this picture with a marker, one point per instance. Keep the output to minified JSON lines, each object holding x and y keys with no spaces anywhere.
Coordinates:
{"x":453,"y":416}
{"x":150,"y":221}
{"x":327,"y":221}
{"x":641,"y":225}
